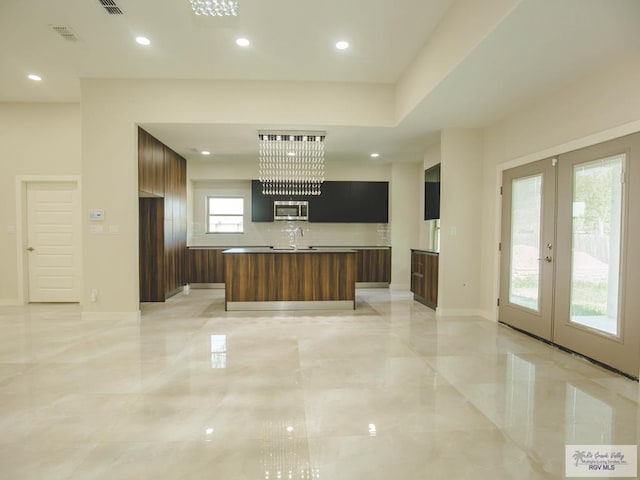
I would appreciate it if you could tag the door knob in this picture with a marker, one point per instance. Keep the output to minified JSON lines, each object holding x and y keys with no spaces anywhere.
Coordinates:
{"x":30,"y":249}
{"x":547,"y":259}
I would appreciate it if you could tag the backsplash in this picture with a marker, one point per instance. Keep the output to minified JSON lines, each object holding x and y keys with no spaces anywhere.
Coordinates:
{"x":278,"y":234}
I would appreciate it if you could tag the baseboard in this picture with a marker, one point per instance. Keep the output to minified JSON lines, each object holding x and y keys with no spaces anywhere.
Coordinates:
{"x":202,"y":286}
{"x":117,"y":316}
{"x":459,"y":312}
{"x":10,"y":302}
{"x":400,"y":286}
{"x":489,"y":315}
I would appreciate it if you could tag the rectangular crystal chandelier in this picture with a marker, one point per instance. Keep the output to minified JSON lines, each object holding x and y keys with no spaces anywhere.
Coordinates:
{"x":215,"y":8}
{"x":291,"y":163}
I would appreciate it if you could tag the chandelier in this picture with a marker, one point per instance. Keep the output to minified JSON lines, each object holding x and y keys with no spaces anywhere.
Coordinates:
{"x":291,"y":163}
{"x":215,"y":8}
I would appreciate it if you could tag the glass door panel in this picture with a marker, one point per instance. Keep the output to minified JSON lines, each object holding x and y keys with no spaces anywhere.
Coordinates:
{"x":528,"y":223}
{"x":597,"y":261}
{"x":595,"y":253}
{"x":526,"y":209}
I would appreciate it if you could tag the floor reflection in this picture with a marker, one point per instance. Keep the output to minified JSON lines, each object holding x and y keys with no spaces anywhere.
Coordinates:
{"x":285,"y":451}
{"x":386,"y":391}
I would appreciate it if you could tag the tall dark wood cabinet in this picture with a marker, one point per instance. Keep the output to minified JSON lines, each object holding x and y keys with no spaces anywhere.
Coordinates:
{"x":175,"y":221}
{"x":151,"y":214}
{"x":162,"y":185}
{"x":151,"y":171}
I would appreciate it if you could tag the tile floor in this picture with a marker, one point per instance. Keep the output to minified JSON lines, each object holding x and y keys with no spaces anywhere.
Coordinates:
{"x":386,"y":392}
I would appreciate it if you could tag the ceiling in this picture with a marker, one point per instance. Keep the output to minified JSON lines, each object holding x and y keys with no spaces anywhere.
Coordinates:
{"x":540,"y":46}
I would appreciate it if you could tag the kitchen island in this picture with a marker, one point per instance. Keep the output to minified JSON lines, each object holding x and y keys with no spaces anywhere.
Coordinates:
{"x":290,"y":279}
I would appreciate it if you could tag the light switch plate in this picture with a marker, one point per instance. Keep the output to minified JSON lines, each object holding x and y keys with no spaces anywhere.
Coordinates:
{"x":96,"y":214}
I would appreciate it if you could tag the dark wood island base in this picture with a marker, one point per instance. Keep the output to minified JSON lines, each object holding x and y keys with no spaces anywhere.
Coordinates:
{"x":287,"y":279}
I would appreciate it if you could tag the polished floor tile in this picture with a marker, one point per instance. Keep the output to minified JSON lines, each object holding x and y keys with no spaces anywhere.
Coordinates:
{"x":386,"y":391}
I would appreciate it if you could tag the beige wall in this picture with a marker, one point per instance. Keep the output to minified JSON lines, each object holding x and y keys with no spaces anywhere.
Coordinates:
{"x":466,"y":24}
{"x":598,"y":107}
{"x":404,"y":215}
{"x":36,"y":139}
{"x":111,"y":109}
{"x":460,"y":220}
{"x":42,"y":139}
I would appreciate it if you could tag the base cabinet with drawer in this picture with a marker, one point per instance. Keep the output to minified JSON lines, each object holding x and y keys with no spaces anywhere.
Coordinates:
{"x":424,"y":277}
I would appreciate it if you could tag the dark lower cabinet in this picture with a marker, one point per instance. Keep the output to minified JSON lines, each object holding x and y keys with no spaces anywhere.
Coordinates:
{"x":205,"y":265}
{"x":424,"y":277}
{"x":374,"y":265}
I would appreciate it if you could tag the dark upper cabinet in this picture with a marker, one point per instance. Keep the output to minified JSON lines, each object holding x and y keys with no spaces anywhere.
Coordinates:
{"x":339,"y":202}
{"x":333,"y":203}
{"x":261,"y":205}
{"x":370,"y":201}
{"x":432,"y":193}
{"x":351,"y":202}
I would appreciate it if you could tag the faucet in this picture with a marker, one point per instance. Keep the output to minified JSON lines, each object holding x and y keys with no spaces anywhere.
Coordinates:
{"x":293,"y":236}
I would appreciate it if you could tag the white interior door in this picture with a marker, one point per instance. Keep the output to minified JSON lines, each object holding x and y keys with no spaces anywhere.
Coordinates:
{"x":53,"y":242}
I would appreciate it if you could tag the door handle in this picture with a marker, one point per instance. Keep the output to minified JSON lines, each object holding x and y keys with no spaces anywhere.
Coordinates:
{"x":30,"y":249}
{"x":548,"y":259}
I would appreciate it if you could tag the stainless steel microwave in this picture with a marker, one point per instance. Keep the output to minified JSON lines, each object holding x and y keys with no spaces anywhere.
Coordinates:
{"x":290,"y":210}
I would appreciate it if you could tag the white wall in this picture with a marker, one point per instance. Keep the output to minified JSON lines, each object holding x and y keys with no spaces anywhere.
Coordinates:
{"x":598,"y":107}
{"x":35,"y":139}
{"x":460,"y":221}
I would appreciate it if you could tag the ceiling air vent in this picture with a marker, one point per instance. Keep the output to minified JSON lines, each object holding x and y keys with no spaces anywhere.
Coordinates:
{"x":65,"y":32}
{"x":111,"y":7}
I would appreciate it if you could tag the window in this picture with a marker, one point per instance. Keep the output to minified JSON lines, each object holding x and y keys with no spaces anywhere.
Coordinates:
{"x":225,"y":214}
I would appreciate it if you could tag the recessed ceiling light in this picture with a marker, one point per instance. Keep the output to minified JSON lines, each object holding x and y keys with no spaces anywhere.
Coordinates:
{"x":205,"y":152}
{"x":243,"y":42}
{"x":375,"y":155}
{"x":291,"y":154}
{"x":143,"y":41}
{"x":34,"y":77}
{"x":342,"y":45}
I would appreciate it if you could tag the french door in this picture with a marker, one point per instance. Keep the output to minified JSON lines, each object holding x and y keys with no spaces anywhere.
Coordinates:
{"x":569,"y":263}
{"x":527,"y":247}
